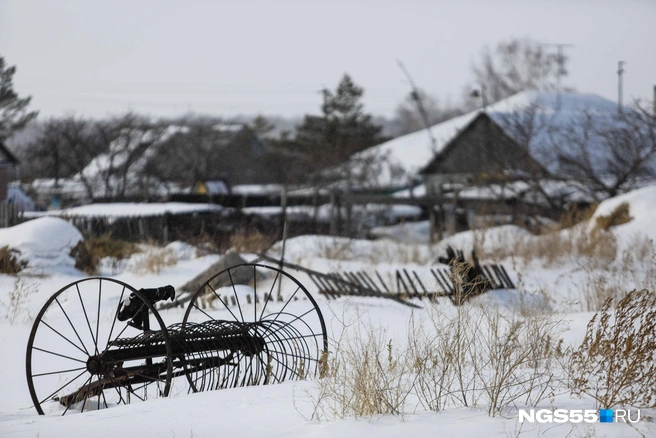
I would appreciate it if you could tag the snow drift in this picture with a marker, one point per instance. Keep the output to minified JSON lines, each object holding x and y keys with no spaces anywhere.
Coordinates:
{"x":45,"y":243}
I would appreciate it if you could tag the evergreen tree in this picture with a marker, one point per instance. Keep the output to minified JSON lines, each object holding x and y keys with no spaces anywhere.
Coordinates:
{"x":342,"y":129}
{"x":13,"y":110}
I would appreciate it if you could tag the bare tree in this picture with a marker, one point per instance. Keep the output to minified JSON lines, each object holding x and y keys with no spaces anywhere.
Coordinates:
{"x":516,"y":65}
{"x":531,"y":128}
{"x":599,"y":153}
{"x":63,"y":147}
{"x":608,"y":155}
{"x":118,"y":171}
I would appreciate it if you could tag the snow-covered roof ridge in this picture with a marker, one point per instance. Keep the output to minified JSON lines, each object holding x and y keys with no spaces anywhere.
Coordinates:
{"x":411,"y":152}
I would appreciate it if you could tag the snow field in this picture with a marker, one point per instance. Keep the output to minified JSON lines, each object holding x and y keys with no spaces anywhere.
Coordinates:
{"x":375,"y":342}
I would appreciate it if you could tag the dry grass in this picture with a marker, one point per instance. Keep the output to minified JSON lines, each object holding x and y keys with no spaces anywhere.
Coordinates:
{"x":480,"y":356}
{"x":335,"y":248}
{"x":363,"y":376}
{"x":575,"y":237}
{"x":376,"y":252}
{"x":252,"y":242}
{"x":204,"y":243}
{"x":620,"y":215}
{"x":17,"y":308}
{"x":469,"y":356}
{"x":616,"y":362}
{"x":575,"y":216}
{"x":599,"y":247}
{"x":635,"y":267}
{"x":10,"y":262}
{"x":153,"y":259}
{"x":400,"y":253}
{"x":88,"y":253}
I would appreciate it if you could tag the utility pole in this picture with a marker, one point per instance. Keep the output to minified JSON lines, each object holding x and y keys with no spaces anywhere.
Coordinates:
{"x":414,"y":94}
{"x":482,"y":94}
{"x":620,"y":71}
{"x":560,"y":60}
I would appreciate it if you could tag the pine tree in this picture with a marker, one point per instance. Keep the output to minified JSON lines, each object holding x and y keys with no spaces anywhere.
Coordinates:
{"x":13,"y":110}
{"x":343,"y":128}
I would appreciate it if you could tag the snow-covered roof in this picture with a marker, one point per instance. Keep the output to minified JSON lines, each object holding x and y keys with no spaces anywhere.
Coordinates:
{"x":61,"y":185}
{"x":408,"y":154}
{"x":133,"y":209}
{"x":217,"y":187}
{"x":120,"y":151}
{"x":257,"y":189}
{"x":17,"y":196}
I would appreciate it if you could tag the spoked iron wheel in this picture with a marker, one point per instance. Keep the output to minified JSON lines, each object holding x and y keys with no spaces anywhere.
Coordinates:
{"x":269,"y":326}
{"x":79,"y":356}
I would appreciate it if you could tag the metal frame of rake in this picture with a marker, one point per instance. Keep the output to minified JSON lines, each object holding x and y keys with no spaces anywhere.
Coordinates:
{"x":99,"y":342}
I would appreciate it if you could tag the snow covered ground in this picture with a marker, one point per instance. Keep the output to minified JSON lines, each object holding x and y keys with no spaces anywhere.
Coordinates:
{"x":286,"y":409}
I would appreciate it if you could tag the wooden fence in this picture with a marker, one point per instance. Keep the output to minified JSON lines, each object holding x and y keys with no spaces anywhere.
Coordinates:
{"x":10,"y":215}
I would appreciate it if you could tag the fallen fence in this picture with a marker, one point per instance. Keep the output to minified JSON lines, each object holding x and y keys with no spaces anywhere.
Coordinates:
{"x":457,"y":280}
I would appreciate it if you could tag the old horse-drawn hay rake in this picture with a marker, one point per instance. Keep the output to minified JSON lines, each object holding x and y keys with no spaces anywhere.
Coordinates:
{"x":99,"y":342}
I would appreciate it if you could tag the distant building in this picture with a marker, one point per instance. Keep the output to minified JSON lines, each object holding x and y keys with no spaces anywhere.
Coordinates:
{"x":481,"y":153}
{"x":243,"y":155}
{"x":520,"y":130}
{"x":211,"y":187}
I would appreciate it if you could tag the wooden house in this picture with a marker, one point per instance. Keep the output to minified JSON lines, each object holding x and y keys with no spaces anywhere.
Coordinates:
{"x":481,"y":153}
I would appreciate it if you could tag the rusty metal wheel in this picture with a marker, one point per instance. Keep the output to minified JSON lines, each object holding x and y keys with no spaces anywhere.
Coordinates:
{"x":80,"y":357}
{"x":271,"y":329}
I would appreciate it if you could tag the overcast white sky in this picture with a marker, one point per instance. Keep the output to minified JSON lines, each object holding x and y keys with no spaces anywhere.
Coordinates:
{"x":162,"y":57}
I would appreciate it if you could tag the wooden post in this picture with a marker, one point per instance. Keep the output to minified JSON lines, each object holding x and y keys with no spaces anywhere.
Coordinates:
{"x":333,"y":218}
{"x":433,"y":224}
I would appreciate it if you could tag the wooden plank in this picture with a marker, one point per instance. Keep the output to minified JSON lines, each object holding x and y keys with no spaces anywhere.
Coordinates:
{"x":505,"y":274}
{"x":382,"y":282}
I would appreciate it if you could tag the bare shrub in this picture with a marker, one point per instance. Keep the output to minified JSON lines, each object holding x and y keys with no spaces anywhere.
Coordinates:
{"x":10,"y":262}
{"x":365,"y":375}
{"x":479,"y":355}
{"x":18,"y":306}
{"x":516,"y":358}
{"x":441,"y":360}
{"x":616,"y":362}
{"x":467,"y":356}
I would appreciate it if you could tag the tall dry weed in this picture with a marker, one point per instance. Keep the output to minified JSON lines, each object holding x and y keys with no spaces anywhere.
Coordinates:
{"x":18,"y":304}
{"x":153,"y":259}
{"x":468,"y":356}
{"x":365,"y":375}
{"x":616,"y":362}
